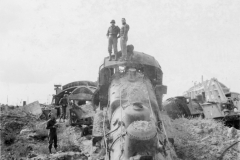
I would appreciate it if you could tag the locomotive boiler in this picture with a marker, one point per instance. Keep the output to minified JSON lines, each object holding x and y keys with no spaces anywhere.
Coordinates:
{"x":130,"y":101}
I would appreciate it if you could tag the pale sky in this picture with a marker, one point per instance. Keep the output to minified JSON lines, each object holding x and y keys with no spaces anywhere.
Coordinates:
{"x":47,"y":42}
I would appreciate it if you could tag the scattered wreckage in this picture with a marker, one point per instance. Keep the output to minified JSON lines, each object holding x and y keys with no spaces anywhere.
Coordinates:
{"x":80,"y":108}
{"x":211,"y":98}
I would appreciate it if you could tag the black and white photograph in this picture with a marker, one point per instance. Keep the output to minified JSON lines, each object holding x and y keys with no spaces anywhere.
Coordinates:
{"x":120,"y":80}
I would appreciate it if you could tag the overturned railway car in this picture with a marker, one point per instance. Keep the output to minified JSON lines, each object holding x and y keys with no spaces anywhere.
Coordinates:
{"x":211,"y":99}
{"x":130,"y":98}
{"x":182,"y":107}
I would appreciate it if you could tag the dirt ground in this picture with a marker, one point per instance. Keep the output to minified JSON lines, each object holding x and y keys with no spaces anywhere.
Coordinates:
{"x":205,"y":139}
{"x":15,"y":145}
{"x":25,"y":137}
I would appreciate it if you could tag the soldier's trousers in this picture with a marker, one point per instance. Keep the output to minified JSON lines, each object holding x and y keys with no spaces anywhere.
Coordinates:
{"x":64,"y":110}
{"x":112,"y":42}
{"x":52,"y":139}
{"x":123,"y":43}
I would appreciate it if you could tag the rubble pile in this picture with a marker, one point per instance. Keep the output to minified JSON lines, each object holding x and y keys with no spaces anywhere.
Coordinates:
{"x":88,"y":110}
{"x":12,"y":123}
{"x":16,"y":127}
{"x":71,"y":145}
{"x":205,"y":139}
{"x":70,"y":139}
{"x":194,"y":139}
{"x":23,"y":135}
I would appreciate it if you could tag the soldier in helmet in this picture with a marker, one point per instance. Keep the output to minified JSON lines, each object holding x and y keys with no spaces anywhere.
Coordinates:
{"x":113,"y":35}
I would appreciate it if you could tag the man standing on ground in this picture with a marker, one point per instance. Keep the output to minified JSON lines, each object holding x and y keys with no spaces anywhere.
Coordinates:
{"x":124,"y":38}
{"x":112,"y":34}
{"x":52,"y":134}
{"x":64,"y":103}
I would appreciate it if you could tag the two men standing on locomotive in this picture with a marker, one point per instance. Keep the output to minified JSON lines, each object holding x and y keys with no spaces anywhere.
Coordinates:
{"x":112,"y":34}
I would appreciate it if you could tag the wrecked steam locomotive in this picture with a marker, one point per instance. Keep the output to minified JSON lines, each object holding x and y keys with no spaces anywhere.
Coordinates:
{"x":130,"y":100}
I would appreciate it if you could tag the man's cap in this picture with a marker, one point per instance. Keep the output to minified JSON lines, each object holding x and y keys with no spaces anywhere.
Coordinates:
{"x":124,"y":18}
{"x":112,"y":21}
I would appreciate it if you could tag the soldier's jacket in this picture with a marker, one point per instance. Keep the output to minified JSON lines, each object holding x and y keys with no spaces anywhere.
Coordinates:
{"x":52,"y":130}
{"x":113,"y":30}
{"x":64,"y":101}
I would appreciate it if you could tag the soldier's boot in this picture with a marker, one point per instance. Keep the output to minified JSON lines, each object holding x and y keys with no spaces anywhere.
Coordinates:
{"x":116,"y":58}
{"x":110,"y":56}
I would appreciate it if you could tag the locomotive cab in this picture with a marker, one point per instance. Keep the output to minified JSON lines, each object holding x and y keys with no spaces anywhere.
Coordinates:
{"x":143,"y":63}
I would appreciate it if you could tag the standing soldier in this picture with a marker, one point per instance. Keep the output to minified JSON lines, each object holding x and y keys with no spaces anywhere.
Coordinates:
{"x":52,"y":134}
{"x":124,"y":38}
{"x":64,"y":103}
{"x":112,"y":34}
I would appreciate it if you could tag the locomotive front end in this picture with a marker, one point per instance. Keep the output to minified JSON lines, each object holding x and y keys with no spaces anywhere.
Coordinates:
{"x":131,"y":94}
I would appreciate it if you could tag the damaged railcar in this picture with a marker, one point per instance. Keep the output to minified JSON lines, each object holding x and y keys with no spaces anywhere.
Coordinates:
{"x":211,"y":99}
{"x":130,"y":98}
{"x":79,"y":93}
